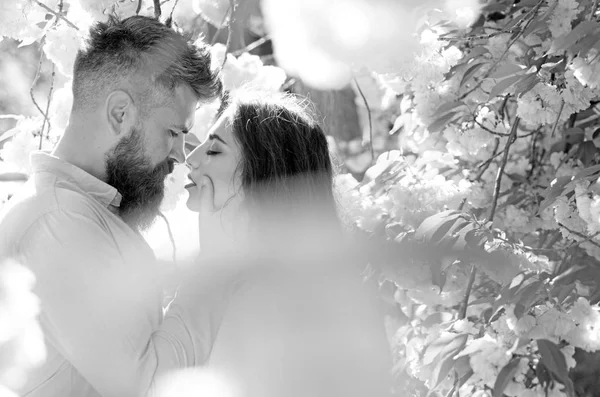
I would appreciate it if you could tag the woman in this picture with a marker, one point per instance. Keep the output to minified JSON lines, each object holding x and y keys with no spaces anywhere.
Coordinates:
{"x":297,"y":320}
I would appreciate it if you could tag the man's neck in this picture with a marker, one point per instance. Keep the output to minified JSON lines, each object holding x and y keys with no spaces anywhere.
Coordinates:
{"x":77,"y":147}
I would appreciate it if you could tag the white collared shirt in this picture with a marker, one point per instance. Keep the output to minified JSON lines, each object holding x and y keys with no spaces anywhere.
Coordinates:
{"x":99,"y":288}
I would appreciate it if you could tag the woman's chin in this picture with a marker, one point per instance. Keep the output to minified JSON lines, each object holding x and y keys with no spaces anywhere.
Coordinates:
{"x":192,"y":203}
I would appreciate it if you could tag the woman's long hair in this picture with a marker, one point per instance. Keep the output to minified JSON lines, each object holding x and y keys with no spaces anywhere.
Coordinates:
{"x":286,"y":168}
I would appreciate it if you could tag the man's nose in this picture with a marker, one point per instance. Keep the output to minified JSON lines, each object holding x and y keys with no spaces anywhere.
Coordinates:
{"x":178,"y":151}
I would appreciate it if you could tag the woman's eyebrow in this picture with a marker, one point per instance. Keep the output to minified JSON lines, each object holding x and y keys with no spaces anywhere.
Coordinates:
{"x":217,"y":137}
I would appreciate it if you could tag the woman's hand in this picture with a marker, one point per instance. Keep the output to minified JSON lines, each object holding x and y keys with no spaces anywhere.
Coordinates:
{"x":222,"y":231}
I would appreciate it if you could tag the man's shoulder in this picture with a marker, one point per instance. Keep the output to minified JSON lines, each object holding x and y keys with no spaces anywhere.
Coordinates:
{"x":37,"y":199}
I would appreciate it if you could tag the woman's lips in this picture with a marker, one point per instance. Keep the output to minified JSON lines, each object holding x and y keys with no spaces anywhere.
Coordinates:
{"x":191,"y":184}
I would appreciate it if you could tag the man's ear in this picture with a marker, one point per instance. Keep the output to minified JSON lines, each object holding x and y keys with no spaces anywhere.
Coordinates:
{"x":121,"y":113}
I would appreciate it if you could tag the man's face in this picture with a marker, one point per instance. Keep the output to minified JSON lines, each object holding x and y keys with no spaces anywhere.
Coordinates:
{"x":139,"y":163}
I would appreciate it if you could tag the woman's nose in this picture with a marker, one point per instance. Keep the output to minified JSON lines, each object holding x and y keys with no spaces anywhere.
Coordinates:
{"x":193,"y":159}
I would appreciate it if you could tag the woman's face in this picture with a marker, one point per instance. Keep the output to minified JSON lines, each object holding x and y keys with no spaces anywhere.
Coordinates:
{"x":216,"y":158}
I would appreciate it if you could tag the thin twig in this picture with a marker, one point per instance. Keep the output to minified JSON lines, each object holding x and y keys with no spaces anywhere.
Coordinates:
{"x":489,"y":129}
{"x":231,"y":10}
{"x":562,"y":106}
{"x":171,"y":238}
{"x":497,"y":62}
{"x":157,"y":10}
{"x":35,"y":80}
{"x":594,"y":9}
{"x":172,"y":9}
{"x":586,"y":238}
{"x":251,"y":46}
{"x":139,"y":7}
{"x":497,"y":183}
{"x":56,"y":14}
{"x":463,"y":309}
{"x":480,"y":37}
{"x":46,"y":120}
{"x":216,"y":35}
{"x":370,"y":121}
{"x":487,"y":164}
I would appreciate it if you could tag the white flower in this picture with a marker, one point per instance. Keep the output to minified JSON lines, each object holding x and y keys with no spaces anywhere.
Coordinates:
{"x":487,"y":358}
{"x":577,"y":97}
{"x":246,"y":70}
{"x":19,"y":19}
{"x":540,"y":105}
{"x":587,"y":69}
{"x":587,"y":333}
{"x":562,"y":17}
{"x":61,"y":46}
{"x":60,"y":109}
{"x":15,"y":153}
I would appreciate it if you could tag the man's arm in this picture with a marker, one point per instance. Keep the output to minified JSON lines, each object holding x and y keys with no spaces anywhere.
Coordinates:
{"x":100,"y":312}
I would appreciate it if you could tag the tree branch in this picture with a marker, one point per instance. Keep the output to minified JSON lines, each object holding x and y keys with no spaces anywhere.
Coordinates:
{"x":586,"y":238}
{"x":562,"y":106}
{"x":486,"y":165}
{"x":58,"y":15}
{"x":157,"y":9}
{"x":35,"y":80}
{"x":496,"y":63}
{"x":251,"y":46}
{"x":465,"y":304}
{"x":46,"y":120}
{"x":497,"y":183}
{"x":594,"y":9}
{"x":370,"y":122}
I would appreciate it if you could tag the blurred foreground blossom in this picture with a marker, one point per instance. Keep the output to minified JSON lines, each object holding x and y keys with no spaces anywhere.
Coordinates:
{"x":322,"y":42}
{"x":193,"y":382}
{"x":21,"y":340}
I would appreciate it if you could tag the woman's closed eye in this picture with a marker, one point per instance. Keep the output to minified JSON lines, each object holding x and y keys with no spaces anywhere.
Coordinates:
{"x":211,"y":152}
{"x":174,"y":134}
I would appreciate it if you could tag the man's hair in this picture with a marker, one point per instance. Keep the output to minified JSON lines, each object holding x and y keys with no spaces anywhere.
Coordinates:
{"x":285,"y":165}
{"x":145,"y":56}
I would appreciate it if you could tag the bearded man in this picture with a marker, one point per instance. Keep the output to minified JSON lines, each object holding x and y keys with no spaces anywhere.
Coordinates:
{"x":76,"y":224}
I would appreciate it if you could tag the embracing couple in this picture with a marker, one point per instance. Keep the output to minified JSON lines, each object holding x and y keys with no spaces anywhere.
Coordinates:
{"x":285,"y":313}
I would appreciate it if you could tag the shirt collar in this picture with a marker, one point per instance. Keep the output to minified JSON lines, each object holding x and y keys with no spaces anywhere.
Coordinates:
{"x":89,"y":184}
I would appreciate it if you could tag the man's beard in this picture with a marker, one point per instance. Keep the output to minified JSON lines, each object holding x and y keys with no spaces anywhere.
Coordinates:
{"x":141,"y":186}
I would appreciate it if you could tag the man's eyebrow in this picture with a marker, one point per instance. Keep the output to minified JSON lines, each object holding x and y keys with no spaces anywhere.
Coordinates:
{"x":217,"y":137}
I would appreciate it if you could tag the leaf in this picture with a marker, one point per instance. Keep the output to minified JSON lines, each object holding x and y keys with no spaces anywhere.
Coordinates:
{"x":430,"y":228}
{"x":506,"y":70}
{"x":503,"y":85}
{"x":441,"y":346}
{"x":526,"y":298}
{"x":471,"y":72}
{"x":526,"y":84}
{"x":587,"y":173}
{"x":449,"y":106}
{"x":437,"y":318}
{"x":446,"y":362}
{"x":555,"y":190}
{"x":583,"y":46}
{"x":582,"y":30}
{"x":586,"y":153}
{"x":553,"y":359}
{"x":542,"y":373}
{"x":475,"y":52}
{"x":440,"y":123}
{"x":455,"y":69}
{"x":574,"y":135}
{"x":505,"y":375}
